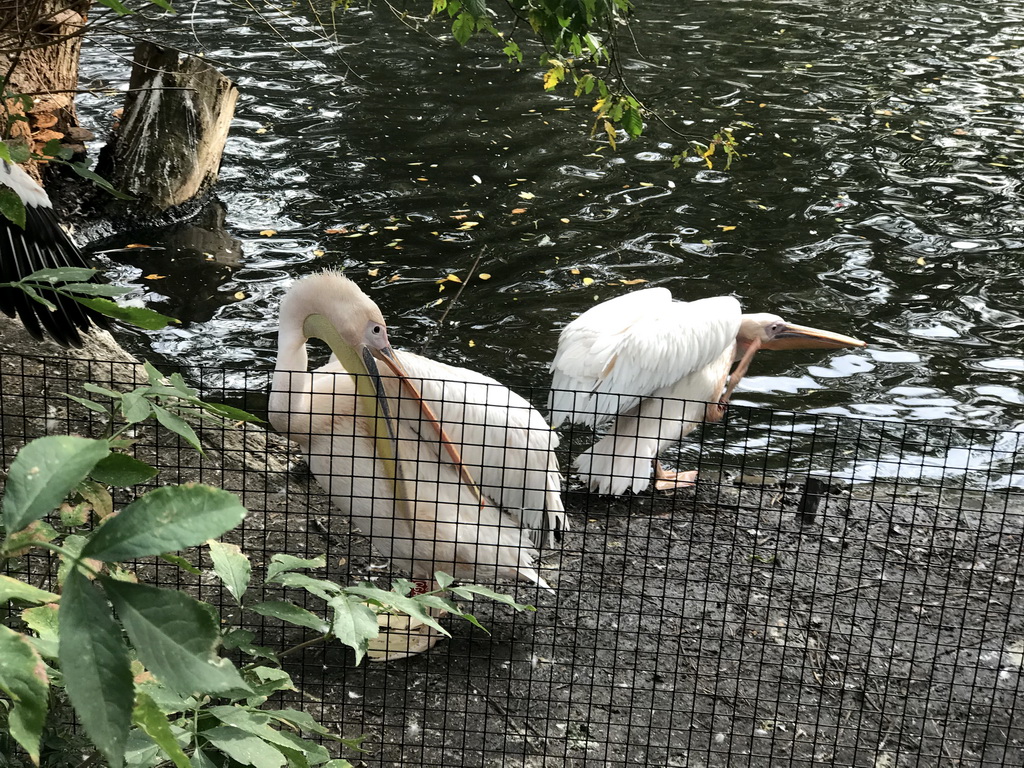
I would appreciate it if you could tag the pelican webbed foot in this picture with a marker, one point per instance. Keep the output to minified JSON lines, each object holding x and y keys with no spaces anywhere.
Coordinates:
{"x":668,"y":480}
{"x":400,"y":637}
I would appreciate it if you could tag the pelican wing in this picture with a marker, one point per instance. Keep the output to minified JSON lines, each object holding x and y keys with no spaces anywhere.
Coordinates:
{"x":505,"y":443}
{"x":633,"y":345}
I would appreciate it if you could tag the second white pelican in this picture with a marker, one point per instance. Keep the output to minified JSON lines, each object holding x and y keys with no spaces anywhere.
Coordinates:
{"x":658,"y":367}
{"x":442,"y":468}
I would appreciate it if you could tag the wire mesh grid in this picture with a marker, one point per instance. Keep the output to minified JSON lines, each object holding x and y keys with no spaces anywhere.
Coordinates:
{"x":833,"y":591}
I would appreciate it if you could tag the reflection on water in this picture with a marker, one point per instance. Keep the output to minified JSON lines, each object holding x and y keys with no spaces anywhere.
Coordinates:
{"x":878,"y":195}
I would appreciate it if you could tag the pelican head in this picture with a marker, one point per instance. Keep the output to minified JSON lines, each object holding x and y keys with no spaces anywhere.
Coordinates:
{"x":772,"y":332}
{"x":331,"y":307}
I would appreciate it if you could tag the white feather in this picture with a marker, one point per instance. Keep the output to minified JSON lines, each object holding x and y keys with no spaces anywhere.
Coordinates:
{"x":633,"y":345}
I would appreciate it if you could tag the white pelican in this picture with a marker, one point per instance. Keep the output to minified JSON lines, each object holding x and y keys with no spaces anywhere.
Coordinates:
{"x":621,"y":357}
{"x":452,"y":473}
{"x":42,"y":243}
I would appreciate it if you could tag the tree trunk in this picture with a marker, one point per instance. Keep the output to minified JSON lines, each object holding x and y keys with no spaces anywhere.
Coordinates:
{"x":172,"y":133}
{"x":39,"y":47}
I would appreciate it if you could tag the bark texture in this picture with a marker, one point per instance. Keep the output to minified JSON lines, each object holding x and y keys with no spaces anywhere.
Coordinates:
{"x":172,"y":133}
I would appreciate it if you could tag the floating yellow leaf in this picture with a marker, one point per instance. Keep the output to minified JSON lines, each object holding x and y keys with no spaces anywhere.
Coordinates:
{"x":459,"y":216}
{"x":527,"y":195}
{"x":154,"y":277}
{"x":393,"y":278}
{"x":468,"y":225}
{"x":646,"y":184}
{"x":472,"y":343}
{"x":574,"y":271}
{"x":240,"y":295}
{"x":921,"y":261}
{"x":261,"y":130}
{"x":138,"y":245}
{"x":454,"y":278}
{"x":318,"y":252}
{"x":518,"y":210}
{"x":268,"y":232}
{"x":564,"y":221}
{"x":588,"y":280}
{"x":336,"y":231}
{"x":437,"y":301}
{"x":440,"y":286}
{"x":726,"y":227}
{"x":637,"y":281}
{"x":484,"y":276}
{"x":373,"y":272}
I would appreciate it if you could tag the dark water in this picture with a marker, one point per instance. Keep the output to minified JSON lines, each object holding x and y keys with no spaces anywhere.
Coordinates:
{"x":878,"y":195}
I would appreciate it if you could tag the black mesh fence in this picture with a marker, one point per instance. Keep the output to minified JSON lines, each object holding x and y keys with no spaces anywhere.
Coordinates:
{"x":832,"y":591}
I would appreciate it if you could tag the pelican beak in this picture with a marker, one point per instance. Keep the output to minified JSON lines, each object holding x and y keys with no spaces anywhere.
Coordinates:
{"x":802,"y":337}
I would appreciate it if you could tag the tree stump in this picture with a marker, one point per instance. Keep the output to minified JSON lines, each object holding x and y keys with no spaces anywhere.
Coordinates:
{"x":176,"y":117}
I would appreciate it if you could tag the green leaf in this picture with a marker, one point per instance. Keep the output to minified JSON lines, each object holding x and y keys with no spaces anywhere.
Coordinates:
{"x":97,"y":495}
{"x":632,"y":121}
{"x":23,"y":679}
{"x":354,"y":624}
{"x":244,"y":747}
{"x":257,"y":723}
{"x":43,"y":621}
{"x":444,"y":580}
{"x":177,"y":425}
{"x":94,"y":662}
{"x":293,"y":614}
{"x":135,"y":407}
{"x":467,"y":591}
{"x":200,"y":760}
{"x":231,"y":413}
{"x":14,"y":589}
{"x":463,"y":27}
{"x":12,"y":207}
{"x":407,"y":605}
{"x":299,"y":719}
{"x":176,"y":638}
{"x":43,"y":474}
{"x":53,"y":148}
{"x":165,"y":520}
{"x":141,"y":317}
{"x":91,"y":405}
{"x":19,"y":151}
{"x":232,"y":567}
{"x":269,"y":681}
{"x":322,"y":588}
{"x":81,"y":168}
{"x":154,"y":723}
{"x":97,"y":390}
{"x":91,"y":289}
{"x":181,"y":562}
{"x":122,"y":471}
{"x":34,"y":295}
{"x":32,"y":535}
{"x":54,"y":275}
{"x":283,"y":563}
